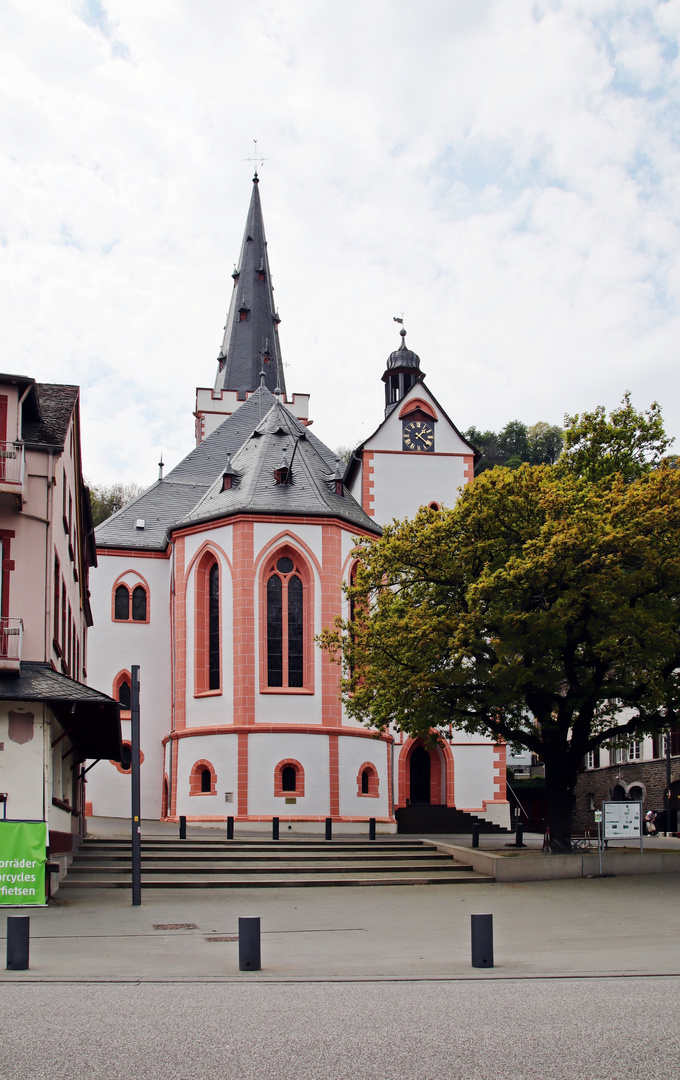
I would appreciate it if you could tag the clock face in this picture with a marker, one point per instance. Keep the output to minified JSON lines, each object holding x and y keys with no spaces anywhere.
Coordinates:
{"x":418,"y":435}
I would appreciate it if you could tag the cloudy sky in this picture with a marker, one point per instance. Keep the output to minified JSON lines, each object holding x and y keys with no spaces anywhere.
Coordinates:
{"x":504,"y":172}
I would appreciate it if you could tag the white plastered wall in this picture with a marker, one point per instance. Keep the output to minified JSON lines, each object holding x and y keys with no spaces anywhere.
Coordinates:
{"x":288,"y":708}
{"x":222,"y":753}
{"x":202,"y":711}
{"x":21,"y":764}
{"x":114,"y":647}
{"x":266,"y":751}
{"x":352,"y":753}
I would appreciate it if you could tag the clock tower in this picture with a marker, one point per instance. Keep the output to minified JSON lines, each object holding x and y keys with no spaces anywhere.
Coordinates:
{"x":417,"y":456}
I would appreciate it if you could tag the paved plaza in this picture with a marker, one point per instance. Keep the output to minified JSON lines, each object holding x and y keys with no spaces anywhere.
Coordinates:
{"x":355,"y":982}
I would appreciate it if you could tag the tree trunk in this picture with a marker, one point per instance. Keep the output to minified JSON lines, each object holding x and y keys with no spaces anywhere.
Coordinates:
{"x":559,"y":801}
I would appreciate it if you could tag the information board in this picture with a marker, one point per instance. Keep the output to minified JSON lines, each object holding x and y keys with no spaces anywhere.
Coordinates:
{"x":23,"y":847}
{"x":622,"y":820}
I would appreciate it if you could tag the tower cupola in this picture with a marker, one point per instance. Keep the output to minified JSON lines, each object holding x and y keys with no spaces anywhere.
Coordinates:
{"x":401,"y":372}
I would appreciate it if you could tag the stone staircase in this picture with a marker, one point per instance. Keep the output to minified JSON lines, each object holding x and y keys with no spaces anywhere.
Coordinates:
{"x":254,"y":864}
{"x":427,"y":819}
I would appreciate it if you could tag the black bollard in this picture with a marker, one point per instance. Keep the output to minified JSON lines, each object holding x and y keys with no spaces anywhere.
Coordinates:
{"x":182,"y":828}
{"x":329,"y":828}
{"x":275,"y":828}
{"x":18,"y":937}
{"x":482,"y":940}
{"x":249,"y":944}
{"x":230,"y":828}
{"x":371,"y":828}
{"x":475,"y":834}
{"x":519,"y":835}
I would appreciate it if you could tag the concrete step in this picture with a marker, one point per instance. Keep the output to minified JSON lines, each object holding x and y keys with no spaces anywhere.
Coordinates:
{"x":198,"y":859}
{"x":254,"y":846}
{"x":290,"y":868}
{"x":279,"y":881}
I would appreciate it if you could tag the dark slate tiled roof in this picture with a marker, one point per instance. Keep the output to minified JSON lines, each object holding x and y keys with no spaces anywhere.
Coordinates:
{"x":91,"y":718}
{"x":280,"y":439}
{"x":171,"y":500}
{"x":245,"y":342}
{"x":56,"y":407}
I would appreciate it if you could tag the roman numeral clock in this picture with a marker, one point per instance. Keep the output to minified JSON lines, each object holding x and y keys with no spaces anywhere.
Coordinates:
{"x":417,"y":435}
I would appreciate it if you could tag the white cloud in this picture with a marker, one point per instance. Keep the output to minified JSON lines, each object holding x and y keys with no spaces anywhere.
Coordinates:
{"x":505,"y":173}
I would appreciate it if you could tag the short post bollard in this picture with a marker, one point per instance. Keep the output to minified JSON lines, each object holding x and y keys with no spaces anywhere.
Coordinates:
{"x":249,"y":944}
{"x":519,"y":835}
{"x":18,"y":938}
{"x":482,"y":941}
{"x":371,"y":828}
{"x":275,"y":828}
{"x":182,"y":828}
{"x":230,"y":828}
{"x":329,"y":828}
{"x":475,"y":834}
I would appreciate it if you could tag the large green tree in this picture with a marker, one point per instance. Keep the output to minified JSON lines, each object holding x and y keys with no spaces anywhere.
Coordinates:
{"x":541,"y":606}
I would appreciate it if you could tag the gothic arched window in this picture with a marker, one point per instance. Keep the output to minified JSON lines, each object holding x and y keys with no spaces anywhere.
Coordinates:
{"x":131,"y":600}
{"x":207,"y":626}
{"x":285,"y":623}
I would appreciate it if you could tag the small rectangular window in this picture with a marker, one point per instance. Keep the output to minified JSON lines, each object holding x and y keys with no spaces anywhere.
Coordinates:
{"x":634,"y":750}
{"x":63,"y":617}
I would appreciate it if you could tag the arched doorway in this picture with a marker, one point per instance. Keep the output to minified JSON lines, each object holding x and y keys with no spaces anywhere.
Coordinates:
{"x":420,"y":775}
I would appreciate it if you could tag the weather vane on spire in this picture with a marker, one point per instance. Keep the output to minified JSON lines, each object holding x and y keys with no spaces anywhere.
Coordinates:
{"x":255,"y":158}
{"x":400,"y":319}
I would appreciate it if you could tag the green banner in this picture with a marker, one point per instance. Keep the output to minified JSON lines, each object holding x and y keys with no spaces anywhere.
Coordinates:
{"x":22,"y":862}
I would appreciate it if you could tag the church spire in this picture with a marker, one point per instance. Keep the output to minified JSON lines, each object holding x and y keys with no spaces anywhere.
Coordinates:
{"x":251,"y":337}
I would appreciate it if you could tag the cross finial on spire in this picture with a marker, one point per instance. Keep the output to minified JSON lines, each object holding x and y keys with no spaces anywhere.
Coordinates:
{"x":256,"y":158}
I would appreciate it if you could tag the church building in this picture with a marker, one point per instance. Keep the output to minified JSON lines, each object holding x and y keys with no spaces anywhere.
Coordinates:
{"x":217,"y":579}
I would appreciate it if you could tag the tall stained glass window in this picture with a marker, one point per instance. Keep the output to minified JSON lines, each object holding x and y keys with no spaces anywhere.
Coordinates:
{"x":285,"y":624}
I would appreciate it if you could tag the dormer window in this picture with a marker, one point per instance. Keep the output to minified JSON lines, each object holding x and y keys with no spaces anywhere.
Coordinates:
{"x":242,"y":314}
{"x":227,"y":482}
{"x":282,"y":475}
{"x":338,"y":487}
{"x":260,"y":275}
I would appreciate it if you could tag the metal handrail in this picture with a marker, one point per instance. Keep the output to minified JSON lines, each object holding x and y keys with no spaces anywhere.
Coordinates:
{"x":11,"y":638}
{"x":12,"y":462}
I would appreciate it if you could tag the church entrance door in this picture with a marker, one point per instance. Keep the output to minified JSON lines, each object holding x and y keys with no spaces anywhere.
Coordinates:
{"x":420,"y":775}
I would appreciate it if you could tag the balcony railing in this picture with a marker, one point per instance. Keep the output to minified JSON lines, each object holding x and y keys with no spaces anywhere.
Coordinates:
{"x":12,"y":464}
{"x":11,"y":639}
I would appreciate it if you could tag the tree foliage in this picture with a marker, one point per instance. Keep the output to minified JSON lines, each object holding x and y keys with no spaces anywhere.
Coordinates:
{"x":539,"y":444}
{"x":541,"y":605}
{"x":107,"y":499}
{"x":627,"y":442}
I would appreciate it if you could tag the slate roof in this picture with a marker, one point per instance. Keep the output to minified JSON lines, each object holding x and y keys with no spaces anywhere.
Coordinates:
{"x":251,"y":345}
{"x":90,"y":718}
{"x":176,"y":497}
{"x":57,"y":402}
{"x":281,"y":441}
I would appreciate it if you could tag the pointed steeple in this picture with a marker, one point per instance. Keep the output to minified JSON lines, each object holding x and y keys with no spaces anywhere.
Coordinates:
{"x":251,"y":337}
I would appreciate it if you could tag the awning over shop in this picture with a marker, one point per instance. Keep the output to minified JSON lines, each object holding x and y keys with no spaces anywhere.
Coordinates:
{"x":90,"y":719}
